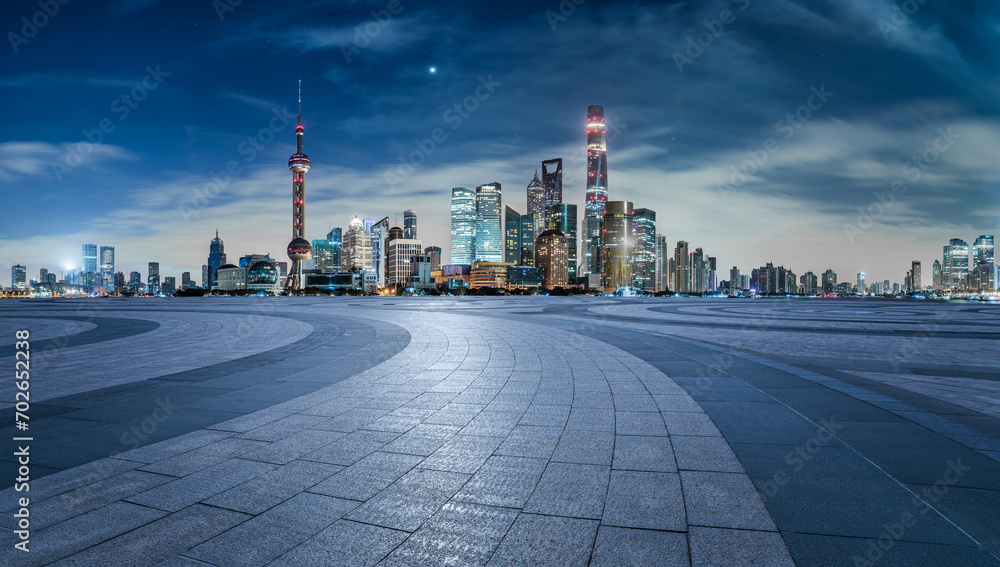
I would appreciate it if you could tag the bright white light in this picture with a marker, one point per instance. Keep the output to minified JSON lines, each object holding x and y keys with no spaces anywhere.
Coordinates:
{"x":434,"y":70}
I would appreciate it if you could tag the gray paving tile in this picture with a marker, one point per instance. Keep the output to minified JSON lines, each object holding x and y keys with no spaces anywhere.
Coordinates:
{"x":284,"y":427}
{"x":676,"y":402}
{"x":159,"y":540}
{"x":688,"y":423}
{"x":175,"y":446}
{"x":704,"y":454}
{"x":713,"y":546}
{"x":493,"y":423}
{"x":201,"y":485}
{"x":351,"y":448}
{"x":546,"y":540}
{"x":460,"y":533}
{"x":591,"y":419}
{"x":411,"y":500}
{"x":463,"y":453}
{"x":530,"y":441}
{"x":422,"y":440}
{"x":724,"y":500}
{"x":293,"y":447}
{"x":568,"y":489}
{"x":274,"y":487}
{"x":546,"y":415}
{"x":503,"y":481}
{"x":584,"y":447}
{"x":367,"y":477}
{"x":268,"y":536}
{"x":203,"y":457}
{"x":625,"y":547}
{"x":345,"y":543}
{"x":644,"y":453}
{"x":648,"y":500}
{"x":639,"y":423}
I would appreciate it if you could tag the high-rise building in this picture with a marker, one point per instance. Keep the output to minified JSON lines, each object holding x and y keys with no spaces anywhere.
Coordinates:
{"x":135,"y":281}
{"x":552,"y":183}
{"x":936,"y":273}
{"x":712,"y":274}
{"x":662,"y":256}
{"x":984,"y":263}
{"x":955,"y":269}
{"x":562,"y":217}
{"x":435,"y":253}
{"x":169,"y":285}
{"x":536,"y":206}
{"x":216,"y":258}
{"x":698,"y":271}
{"x":395,"y":233}
{"x":512,"y":236}
{"x":597,"y":186}
{"x":378,"y":233}
{"x":90,"y":274}
{"x":552,"y":258}
{"x":357,"y":248}
{"x":735,"y":281}
{"x":108,"y":267}
{"x":528,"y":239}
{"x":862,"y":288}
{"x":809,"y":283}
{"x":323,"y":256}
{"x":489,"y":237}
{"x":915,"y":276}
{"x":185,"y":280}
{"x":644,"y":251}
{"x":681,"y":280}
{"x":410,"y":224}
{"x":18,"y":277}
{"x":829,"y":281}
{"x":153,"y":279}
{"x":299,"y":248}
{"x":618,"y":244}
{"x":43,"y":275}
{"x":119,"y":281}
{"x":463,"y":226}
{"x":336,"y":239}
{"x":399,"y":252}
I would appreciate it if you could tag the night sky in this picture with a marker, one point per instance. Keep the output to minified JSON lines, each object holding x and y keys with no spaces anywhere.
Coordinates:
{"x":208,"y":85}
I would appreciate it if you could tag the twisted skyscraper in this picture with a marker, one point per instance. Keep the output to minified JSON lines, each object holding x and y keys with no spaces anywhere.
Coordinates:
{"x":597,"y":186}
{"x":299,"y":248}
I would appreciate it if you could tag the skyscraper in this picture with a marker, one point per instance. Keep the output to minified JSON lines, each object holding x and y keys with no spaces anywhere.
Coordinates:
{"x":698,"y":271}
{"x":299,"y":248}
{"x":410,"y":224}
{"x":644,"y":254}
{"x":435,"y":253}
{"x":512,"y":236}
{"x":336,"y":239}
{"x":536,"y":206}
{"x":984,"y":263}
{"x":936,"y":274}
{"x":108,"y":267}
{"x":528,"y":240}
{"x":398,"y":255}
{"x":862,"y":289}
{"x":662,"y":255}
{"x":552,"y":258}
{"x":169,"y":285}
{"x":378,"y":232}
{"x":713,"y":276}
{"x":18,"y":277}
{"x":323,"y":256}
{"x":489,"y":237}
{"x":357,"y":248}
{"x":829,"y":281}
{"x":90,"y":268}
{"x":915,"y":276}
{"x":681,"y":280}
{"x":809,"y":283}
{"x":597,"y":186}
{"x":618,"y":244}
{"x":463,"y":226}
{"x":955,"y":269}
{"x":216,"y":258}
{"x":185,"y":280}
{"x":153,"y":279}
{"x":562,"y":217}
{"x":552,"y":184}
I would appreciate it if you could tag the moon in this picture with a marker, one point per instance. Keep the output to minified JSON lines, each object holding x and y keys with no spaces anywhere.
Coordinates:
{"x":433,"y":70}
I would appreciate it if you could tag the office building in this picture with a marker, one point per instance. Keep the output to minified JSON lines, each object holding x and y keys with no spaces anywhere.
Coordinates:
{"x":597,"y":187}
{"x":108,"y":267}
{"x":489,"y":274}
{"x":357,"y":248}
{"x":536,"y":206}
{"x":169,"y":285}
{"x":955,"y":268}
{"x":809,"y":283}
{"x":336,"y":239}
{"x":323,"y":256}
{"x":681,"y":280}
{"x":524,"y":277}
{"x":186,"y":280}
{"x":216,"y":258}
{"x":662,"y":257}
{"x":399,"y":253}
{"x":984,"y":263}
{"x":552,"y":258}
{"x":489,"y":236}
{"x":644,"y":252}
{"x":829,"y":282}
{"x":618,"y":245}
{"x":512,"y":235}
{"x":379,"y":235}
{"x":698,"y":270}
{"x":19,"y":278}
{"x":915,"y":277}
{"x":153,"y":279}
{"x":562,"y":217}
{"x":552,"y":186}
{"x":938,"y":282}
{"x":410,"y":224}
{"x":260,"y":276}
{"x":435,"y":253}
{"x":861,"y":287}
{"x":463,"y":226}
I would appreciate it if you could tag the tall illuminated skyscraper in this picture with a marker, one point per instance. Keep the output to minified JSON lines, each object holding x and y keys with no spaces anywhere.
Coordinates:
{"x":463,"y":226}
{"x":536,"y":204}
{"x":618,"y":245}
{"x":489,"y":238}
{"x":410,"y":224}
{"x":153,"y":279}
{"x":955,"y":269}
{"x":915,"y":276}
{"x":662,"y":256}
{"x":681,"y":278}
{"x":597,"y":186}
{"x":862,"y":289}
{"x":299,"y":248}
{"x":512,"y":236}
{"x":18,"y":277}
{"x":216,"y":258}
{"x":984,"y":263}
{"x":88,"y":276}
{"x":435,"y":253}
{"x":562,"y":217}
{"x":552,"y":258}
{"x":938,"y":283}
{"x":108,"y":267}
{"x":644,"y":255}
{"x":552,"y":181}
{"x":356,"y":252}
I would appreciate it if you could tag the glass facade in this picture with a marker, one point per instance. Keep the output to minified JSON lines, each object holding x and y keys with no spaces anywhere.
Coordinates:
{"x":108,"y":267}
{"x":536,"y":205}
{"x":955,"y":270}
{"x":619,"y":241}
{"x":489,"y":238}
{"x":562,"y":217}
{"x":512,"y":236}
{"x":597,"y":186}
{"x":984,"y":263}
{"x":463,"y":226}
{"x":644,"y":254}
{"x":410,"y":224}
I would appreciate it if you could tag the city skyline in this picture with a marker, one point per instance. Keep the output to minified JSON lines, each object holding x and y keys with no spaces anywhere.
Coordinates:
{"x":139,"y":190}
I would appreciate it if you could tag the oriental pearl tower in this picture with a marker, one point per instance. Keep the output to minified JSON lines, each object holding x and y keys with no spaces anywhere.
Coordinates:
{"x":299,"y":248}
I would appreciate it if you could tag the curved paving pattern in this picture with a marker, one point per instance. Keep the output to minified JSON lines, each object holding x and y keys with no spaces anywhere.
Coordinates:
{"x":561,"y":431}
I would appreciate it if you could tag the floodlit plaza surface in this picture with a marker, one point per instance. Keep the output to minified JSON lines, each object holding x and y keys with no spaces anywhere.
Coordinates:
{"x":505,"y":431}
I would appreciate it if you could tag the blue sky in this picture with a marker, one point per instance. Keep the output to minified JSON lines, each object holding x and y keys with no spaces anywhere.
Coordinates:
{"x":208,"y":85}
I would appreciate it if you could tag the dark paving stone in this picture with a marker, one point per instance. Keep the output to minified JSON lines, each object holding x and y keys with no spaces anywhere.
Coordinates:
{"x":623,"y":547}
{"x":811,"y":549}
{"x":547,"y":540}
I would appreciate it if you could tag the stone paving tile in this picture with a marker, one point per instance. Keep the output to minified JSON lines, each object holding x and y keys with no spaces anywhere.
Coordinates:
{"x":584,"y":447}
{"x":568,"y":489}
{"x":503,"y":481}
{"x":274,"y":487}
{"x":175,"y":446}
{"x":635,"y":402}
{"x":713,"y":546}
{"x":422,"y":440}
{"x":277,"y":430}
{"x":345,"y":543}
{"x":647,"y":500}
{"x":644,"y":453}
{"x":530,"y":441}
{"x":546,"y":540}
{"x":591,"y":419}
{"x":492,"y":423}
{"x":411,"y":500}
{"x":625,"y":547}
{"x":676,"y":402}
{"x":351,"y":448}
{"x":159,"y":540}
{"x":688,"y":423}
{"x":704,"y":454}
{"x":352,"y":419}
{"x":585,"y":399}
{"x":266,"y":537}
{"x":724,"y":500}
{"x":367,"y":477}
{"x":463,"y":453}
{"x":196,"y":487}
{"x":203,"y":457}
{"x":253,"y":420}
{"x":546,"y":415}
{"x":639,"y":423}
{"x":458,"y":534}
